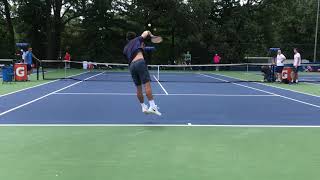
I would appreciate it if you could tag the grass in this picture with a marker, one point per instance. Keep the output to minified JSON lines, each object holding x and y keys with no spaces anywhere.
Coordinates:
{"x":158,"y":153}
{"x":16,"y":86}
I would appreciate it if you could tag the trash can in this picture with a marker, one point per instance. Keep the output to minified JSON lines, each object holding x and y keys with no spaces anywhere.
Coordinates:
{"x":7,"y":74}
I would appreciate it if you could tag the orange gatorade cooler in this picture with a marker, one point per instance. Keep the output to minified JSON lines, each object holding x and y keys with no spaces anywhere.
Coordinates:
{"x":20,"y":72}
{"x":286,"y":74}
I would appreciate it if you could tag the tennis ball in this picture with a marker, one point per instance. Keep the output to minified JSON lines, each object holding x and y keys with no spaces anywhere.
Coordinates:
{"x":149,"y":25}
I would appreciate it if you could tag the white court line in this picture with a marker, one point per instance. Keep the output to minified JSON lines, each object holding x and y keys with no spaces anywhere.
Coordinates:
{"x":157,"y":125}
{"x":226,"y":95}
{"x":308,"y":77}
{"x":37,"y":85}
{"x":165,"y":91}
{"x":269,"y":85}
{"x":27,"y":88}
{"x":105,"y":94}
{"x":313,"y":83}
{"x":133,"y":94}
{"x":240,"y":85}
{"x":285,"y":97}
{"x":30,"y":102}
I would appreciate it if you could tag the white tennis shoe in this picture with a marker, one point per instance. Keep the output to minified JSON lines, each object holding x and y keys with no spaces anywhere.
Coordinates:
{"x":145,"y":109}
{"x":154,"y":110}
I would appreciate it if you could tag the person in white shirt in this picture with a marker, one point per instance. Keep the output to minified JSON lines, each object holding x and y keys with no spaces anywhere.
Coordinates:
{"x":23,"y":55}
{"x":296,"y":66}
{"x":280,"y":64}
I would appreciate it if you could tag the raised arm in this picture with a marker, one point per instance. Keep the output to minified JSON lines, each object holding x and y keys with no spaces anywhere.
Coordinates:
{"x":146,"y":34}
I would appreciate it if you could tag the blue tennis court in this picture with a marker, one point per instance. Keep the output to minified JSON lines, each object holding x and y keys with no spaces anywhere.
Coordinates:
{"x":310,"y":78}
{"x":112,"y":102}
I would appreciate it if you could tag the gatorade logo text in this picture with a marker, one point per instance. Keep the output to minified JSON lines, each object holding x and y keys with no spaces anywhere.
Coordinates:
{"x":285,"y":74}
{"x":20,"y":71}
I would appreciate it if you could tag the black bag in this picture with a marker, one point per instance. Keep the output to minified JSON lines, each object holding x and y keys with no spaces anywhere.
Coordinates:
{"x":267,"y":74}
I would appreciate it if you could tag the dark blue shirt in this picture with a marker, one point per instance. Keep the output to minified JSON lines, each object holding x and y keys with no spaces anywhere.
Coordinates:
{"x":132,"y":48}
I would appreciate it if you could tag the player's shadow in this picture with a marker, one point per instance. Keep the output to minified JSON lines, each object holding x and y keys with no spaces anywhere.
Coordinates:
{"x":155,"y":124}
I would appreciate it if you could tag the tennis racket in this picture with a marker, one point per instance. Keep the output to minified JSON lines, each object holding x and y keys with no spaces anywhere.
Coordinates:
{"x":156,"y":39}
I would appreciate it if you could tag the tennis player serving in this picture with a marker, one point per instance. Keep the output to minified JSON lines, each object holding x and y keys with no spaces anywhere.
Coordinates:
{"x":133,"y":52}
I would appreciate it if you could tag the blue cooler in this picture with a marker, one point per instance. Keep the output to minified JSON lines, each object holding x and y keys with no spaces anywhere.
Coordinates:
{"x":7,"y":74}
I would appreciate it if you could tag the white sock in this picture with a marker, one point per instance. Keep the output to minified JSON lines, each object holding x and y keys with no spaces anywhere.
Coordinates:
{"x":143,"y":105}
{"x":152,"y":104}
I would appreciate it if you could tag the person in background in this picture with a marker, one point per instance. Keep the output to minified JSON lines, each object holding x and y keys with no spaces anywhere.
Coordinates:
{"x":23,"y":55}
{"x":296,"y":66}
{"x":187,"y":58}
{"x":67,"y":58}
{"x":216,"y":60}
{"x":280,"y":65}
{"x":28,"y":61}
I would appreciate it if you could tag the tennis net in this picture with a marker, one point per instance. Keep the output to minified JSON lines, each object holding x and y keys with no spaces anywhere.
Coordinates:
{"x":6,"y":62}
{"x":221,"y":73}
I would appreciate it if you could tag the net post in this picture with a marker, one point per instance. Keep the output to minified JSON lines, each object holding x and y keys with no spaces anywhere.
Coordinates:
{"x":42,"y":72}
{"x":38,"y":69}
{"x":65,"y":69}
{"x":158,"y":73}
{"x":247,"y":68}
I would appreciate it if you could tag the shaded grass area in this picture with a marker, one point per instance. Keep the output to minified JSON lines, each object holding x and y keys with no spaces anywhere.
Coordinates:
{"x":81,"y":153}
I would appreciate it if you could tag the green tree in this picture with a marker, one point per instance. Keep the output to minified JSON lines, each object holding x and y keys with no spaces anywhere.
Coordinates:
{"x":6,"y":9}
